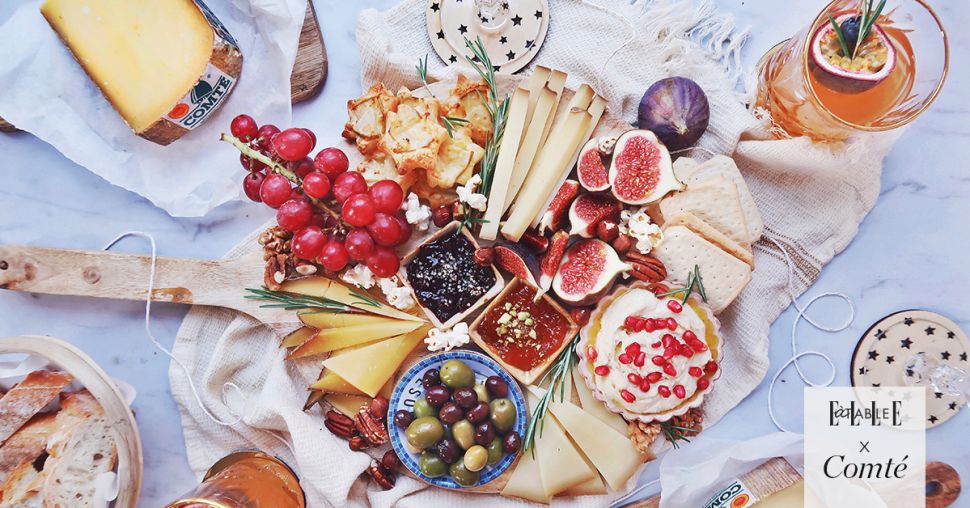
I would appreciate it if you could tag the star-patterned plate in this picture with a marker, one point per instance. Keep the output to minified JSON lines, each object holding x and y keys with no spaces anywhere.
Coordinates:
{"x":512,"y":34}
{"x":881,"y":355}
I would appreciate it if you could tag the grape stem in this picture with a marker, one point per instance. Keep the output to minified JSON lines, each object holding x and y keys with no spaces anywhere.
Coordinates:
{"x":277,"y":168}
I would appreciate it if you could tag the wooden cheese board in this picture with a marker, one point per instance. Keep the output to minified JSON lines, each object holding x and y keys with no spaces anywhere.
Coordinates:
{"x":309,"y":68}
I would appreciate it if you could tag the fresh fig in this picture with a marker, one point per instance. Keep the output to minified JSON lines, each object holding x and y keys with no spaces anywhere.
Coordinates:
{"x":550,"y":261}
{"x":517,"y":260}
{"x":676,"y":110}
{"x":556,"y":211}
{"x":873,"y":60}
{"x":641,"y":171}
{"x":587,"y":272}
{"x":589,"y":210}
{"x":591,"y":167}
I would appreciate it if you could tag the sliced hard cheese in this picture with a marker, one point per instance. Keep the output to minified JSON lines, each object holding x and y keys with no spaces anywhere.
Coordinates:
{"x":347,"y":404}
{"x":592,"y":487}
{"x":370,"y":367}
{"x":164,"y":66}
{"x":332,"y":339}
{"x":514,"y":128}
{"x":536,"y":83}
{"x":561,"y":466}
{"x":525,"y":481}
{"x":597,"y":106}
{"x":322,"y":320}
{"x":298,"y":337}
{"x":543,"y":178}
{"x":597,"y":408}
{"x":556,"y":83}
{"x":611,"y":452}
{"x":545,"y":108}
{"x":323,"y":287}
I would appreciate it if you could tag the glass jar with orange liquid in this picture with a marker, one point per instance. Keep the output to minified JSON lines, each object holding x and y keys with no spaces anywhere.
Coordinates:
{"x":824,"y":84}
{"x":246,"y":479}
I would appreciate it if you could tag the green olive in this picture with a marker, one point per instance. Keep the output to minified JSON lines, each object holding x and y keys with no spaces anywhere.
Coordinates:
{"x":431,"y":465}
{"x":475,"y":458}
{"x":482,"y":392}
{"x":456,"y":374}
{"x":462,"y":475}
{"x":424,"y":432}
{"x":495,"y":450}
{"x":464,"y":434}
{"x":423,"y":408}
{"x":503,"y":414}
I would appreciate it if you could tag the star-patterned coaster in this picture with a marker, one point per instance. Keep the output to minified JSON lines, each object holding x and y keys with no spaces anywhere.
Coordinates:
{"x":512,"y":30}
{"x":881,"y":355}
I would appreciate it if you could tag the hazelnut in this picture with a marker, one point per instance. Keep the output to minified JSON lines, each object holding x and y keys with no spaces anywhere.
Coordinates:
{"x":441,"y":216}
{"x":607,"y":231}
{"x":390,"y":461}
{"x":623,"y":244}
{"x":378,"y":407}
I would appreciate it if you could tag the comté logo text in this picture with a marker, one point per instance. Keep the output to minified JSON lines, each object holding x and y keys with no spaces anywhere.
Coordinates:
{"x":207,"y":102}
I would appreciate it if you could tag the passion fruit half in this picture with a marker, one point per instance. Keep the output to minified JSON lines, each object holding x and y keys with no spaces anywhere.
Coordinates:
{"x":874,"y":60}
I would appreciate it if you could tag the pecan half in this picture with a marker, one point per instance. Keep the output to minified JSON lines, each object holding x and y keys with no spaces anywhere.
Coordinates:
{"x":646,"y":268}
{"x":382,"y":476}
{"x":358,"y":443}
{"x":340,"y":424}
{"x":370,"y":427}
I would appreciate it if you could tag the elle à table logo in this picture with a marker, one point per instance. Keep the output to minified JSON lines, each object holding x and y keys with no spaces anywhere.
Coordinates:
{"x":865,"y":446}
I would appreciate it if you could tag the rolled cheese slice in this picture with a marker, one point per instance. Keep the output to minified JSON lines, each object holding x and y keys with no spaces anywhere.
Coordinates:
{"x":165,"y":66}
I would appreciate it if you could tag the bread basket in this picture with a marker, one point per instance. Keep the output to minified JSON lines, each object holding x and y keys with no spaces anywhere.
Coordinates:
{"x":95,"y":380}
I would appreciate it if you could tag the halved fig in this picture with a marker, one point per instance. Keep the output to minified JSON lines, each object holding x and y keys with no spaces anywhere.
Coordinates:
{"x":591,"y":167}
{"x":556,"y":212}
{"x":553,"y":256}
{"x":588,"y":210}
{"x":587,"y":272}
{"x":641,"y":171}
{"x":873,"y":61}
{"x":517,"y":260}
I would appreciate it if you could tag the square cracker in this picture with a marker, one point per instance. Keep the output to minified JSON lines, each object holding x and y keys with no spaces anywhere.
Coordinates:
{"x":714,"y":201}
{"x":690,"y":172}
{"x":723,"y":275}
{"x":711,"y":234}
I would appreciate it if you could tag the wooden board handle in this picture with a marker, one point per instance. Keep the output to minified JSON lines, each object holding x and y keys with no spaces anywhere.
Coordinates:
{"x":115,"y":275}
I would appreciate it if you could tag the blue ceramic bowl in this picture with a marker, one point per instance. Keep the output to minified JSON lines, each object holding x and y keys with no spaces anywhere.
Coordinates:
{"x":409,"y":389}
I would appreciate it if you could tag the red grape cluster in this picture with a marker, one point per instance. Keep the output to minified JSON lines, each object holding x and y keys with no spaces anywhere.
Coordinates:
{"x":335,"y":218}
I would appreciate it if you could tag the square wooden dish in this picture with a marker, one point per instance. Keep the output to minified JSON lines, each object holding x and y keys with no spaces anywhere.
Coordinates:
{"x":457,"y":318}
{"x":532,"y":375}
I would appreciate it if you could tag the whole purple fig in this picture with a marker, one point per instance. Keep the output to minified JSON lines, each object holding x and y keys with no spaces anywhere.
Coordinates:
{"x":676,"y":110}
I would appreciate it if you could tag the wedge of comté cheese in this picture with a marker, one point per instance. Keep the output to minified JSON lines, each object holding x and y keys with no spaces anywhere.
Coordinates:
{"x":165,"y":66}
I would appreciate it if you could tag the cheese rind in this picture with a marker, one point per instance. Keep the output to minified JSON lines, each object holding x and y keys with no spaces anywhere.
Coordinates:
{"x":164,"y":66}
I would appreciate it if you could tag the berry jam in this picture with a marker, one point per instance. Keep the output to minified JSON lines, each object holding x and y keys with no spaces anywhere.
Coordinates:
{"x":445,"y":277}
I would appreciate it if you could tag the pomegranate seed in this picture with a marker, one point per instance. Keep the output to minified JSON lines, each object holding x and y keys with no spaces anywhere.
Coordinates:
{"x":668,"y":340}
{"x":591,"y":353}
{"x":625,"y":359}
{"x":633,"y":348}
{"x":686,"y":351}
{"x":697,"y":345}
{"x":640,"y":360}
{"x":663,"y":391}
{"x":653,"y":377}
{"x":695,"y":371}
{"x":690,"y":335}
{"x":634,"y":378}
{"x":674,"y":306}
{"x":644,"y":386}
{"x":658,"y":360}
{"x":710,"y":367}
{"x":649,"y":325}
{"x":671,"y":324}
{"x":703,"y":383}
{"x":669,"y":353}
{"x":602,"y":370}
{"x":656,"y":345}
{"x":680,"y":392}
{"x":630,"y":322}
{"x":670,"y":370}
{"x":660,"y":289}
{"x":627,"y":396}
{"x":641,"y":324}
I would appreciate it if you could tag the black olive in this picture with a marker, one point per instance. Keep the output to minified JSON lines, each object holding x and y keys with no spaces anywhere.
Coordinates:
{"x":450,"y":413}
{"x":430,"y":378}
{"x":497,"y":387}
{"x":512,"y":442}
{"x":403,"y":418}
{"x":484,"y":433}
{"x":479,"y":413}
{"x":448,"y":450}
{"x":466,"y":398}
{"x":438,"y":395}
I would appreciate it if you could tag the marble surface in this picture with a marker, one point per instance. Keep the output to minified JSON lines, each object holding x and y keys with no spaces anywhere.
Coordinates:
{"x":910,"y":251}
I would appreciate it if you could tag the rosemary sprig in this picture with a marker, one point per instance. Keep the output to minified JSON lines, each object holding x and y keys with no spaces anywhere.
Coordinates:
{"x":838,"y":33}
{"x":557,"y":383}
{"x":694,"y":282}
{"x":295,"y":301}
{"x":452,"y":123}
{"x":676,"y":434}
{"x":870,"y":20}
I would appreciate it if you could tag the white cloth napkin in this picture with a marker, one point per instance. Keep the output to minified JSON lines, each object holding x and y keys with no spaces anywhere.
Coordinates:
{"x":812,"y":198}
{"x":46,"y":93}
